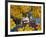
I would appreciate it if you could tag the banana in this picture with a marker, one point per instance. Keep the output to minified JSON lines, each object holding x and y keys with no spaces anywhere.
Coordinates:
{"x":12,"y":24}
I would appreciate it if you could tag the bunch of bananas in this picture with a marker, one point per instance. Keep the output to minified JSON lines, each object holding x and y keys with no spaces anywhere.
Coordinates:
{"x":15,"y":11}
{"x":36,"y":12}
{"x":12,"y":24}
{"x":25,"y":9}
{"x":27,"y":28}
{"x":20,"y":29}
